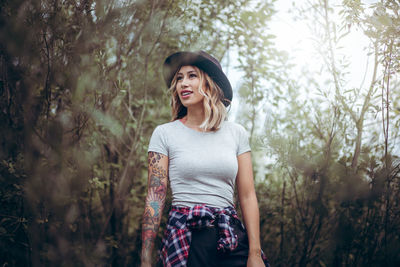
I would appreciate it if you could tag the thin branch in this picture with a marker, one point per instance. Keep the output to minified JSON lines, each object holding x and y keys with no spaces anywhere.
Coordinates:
{"x":47,"y":89}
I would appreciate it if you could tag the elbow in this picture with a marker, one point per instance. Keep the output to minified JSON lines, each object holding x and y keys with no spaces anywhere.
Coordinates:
{"x":248,"y":197}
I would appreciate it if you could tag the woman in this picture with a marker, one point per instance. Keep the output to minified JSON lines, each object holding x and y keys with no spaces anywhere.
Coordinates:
{"x":202,"y":156}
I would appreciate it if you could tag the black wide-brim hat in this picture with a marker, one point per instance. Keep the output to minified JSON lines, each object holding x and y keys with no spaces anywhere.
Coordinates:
{"x":203,"y":61}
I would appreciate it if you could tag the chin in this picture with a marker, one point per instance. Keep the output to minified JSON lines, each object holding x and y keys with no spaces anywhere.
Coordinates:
{"x":187,"y":105}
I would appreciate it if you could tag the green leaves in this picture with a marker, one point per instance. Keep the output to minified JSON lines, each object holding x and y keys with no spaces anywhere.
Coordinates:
{"x":82,"y":91}
{"x":107,"y":123}
{"x":313,"y":173}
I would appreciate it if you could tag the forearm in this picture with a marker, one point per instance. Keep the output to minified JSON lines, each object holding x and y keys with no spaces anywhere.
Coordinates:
{"x":155,"y":200}
{"x":248,"y":202}
{"x":251,"y":217}
{"x":150,"y":225}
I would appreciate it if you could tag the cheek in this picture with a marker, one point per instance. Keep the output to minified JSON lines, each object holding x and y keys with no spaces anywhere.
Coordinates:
{"x":197,"y":86}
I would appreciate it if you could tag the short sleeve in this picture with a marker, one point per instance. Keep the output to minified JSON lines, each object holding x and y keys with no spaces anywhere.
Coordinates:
{"x":243,"y":144}
{"x":158,"y":142}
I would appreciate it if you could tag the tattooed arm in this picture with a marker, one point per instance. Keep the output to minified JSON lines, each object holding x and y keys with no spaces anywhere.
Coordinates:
{"x":155,"y":200}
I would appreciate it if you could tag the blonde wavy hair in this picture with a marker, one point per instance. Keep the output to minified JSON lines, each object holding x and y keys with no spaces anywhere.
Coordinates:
{"x":214,"y":108}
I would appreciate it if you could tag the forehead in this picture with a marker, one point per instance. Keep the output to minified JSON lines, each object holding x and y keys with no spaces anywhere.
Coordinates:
{"x":186,"y":69}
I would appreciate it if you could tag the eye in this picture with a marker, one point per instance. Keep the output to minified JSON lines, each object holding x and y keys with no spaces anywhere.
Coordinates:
{"x":179,"y":78}
{"x":192,"y":75}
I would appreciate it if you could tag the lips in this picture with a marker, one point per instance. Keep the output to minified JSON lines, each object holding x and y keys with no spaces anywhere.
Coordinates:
{"x":186,"y":93}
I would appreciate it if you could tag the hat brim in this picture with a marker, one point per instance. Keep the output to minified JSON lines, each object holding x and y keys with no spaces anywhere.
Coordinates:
{"x":175,"y":61}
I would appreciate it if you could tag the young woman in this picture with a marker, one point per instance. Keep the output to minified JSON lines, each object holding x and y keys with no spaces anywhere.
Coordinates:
{"x":203,"y":157}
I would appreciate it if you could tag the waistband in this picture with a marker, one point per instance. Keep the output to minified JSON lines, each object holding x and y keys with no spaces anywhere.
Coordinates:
{"x":201,"y":216}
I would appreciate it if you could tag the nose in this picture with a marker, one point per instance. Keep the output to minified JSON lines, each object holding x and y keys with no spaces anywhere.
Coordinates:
{"x":184,"y":81}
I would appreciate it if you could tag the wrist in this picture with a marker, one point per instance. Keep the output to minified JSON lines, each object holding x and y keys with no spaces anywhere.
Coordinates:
{"x":146,"y":257}
{"x":255,"y":252}
{"x":145,"y":264}
{"x":146,"y":261}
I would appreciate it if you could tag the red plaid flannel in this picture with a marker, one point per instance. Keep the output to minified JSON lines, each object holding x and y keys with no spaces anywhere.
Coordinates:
{"x":177,"y":237}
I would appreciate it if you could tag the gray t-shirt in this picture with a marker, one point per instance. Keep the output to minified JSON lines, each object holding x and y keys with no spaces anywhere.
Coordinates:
{"x":202,"y":165}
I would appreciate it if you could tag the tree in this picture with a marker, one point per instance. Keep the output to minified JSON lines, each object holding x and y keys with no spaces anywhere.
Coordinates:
{"x":80,"y":80}
{"x":330,"y":197}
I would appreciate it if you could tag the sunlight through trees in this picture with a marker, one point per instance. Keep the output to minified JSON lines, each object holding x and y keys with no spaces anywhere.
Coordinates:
{"x":82,"y":90}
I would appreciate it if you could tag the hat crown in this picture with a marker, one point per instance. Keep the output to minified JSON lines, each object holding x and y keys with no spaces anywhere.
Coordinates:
{"x":211,"y":58}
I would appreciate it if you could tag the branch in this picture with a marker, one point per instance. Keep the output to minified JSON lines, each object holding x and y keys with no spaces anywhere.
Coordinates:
{"x":46,"y":86}
{"x":135,"y":142}
{"x":333,"y":66}
{"x":360,"y":121}
{"x":371,"y":86}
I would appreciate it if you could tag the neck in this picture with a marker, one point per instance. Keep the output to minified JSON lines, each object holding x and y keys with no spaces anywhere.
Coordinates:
{"x":194,"y":116}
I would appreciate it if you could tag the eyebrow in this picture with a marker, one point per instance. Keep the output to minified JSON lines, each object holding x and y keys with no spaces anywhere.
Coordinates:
{"x":190,"y":71}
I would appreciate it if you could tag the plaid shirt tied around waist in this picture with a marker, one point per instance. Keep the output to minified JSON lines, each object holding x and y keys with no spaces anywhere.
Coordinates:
{"x":178,"y":235}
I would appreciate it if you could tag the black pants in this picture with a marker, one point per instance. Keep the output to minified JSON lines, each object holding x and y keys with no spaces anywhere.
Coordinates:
{"x":203,"y":249}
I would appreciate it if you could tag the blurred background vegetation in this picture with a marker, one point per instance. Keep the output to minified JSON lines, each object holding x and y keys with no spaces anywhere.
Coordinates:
{"x":81,"y":91}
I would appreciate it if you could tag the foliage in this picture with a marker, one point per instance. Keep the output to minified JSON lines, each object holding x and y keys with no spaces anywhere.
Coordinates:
{"x":333,"y":188}
{"x":79,"y":80}
{"x":81,"y":91}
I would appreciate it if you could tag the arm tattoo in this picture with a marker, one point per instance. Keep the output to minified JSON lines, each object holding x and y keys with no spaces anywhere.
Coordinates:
{"x":154,"y":158}
{"x":157,"y":191}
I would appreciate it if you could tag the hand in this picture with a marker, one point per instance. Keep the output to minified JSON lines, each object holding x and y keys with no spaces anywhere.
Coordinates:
{"x":255,"y":260}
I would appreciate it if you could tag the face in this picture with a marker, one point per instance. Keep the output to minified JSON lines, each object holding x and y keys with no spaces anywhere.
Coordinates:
{"x":187,"y":87}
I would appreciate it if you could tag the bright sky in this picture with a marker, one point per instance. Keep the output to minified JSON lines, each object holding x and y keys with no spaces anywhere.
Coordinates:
{"x":294,"y":37}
